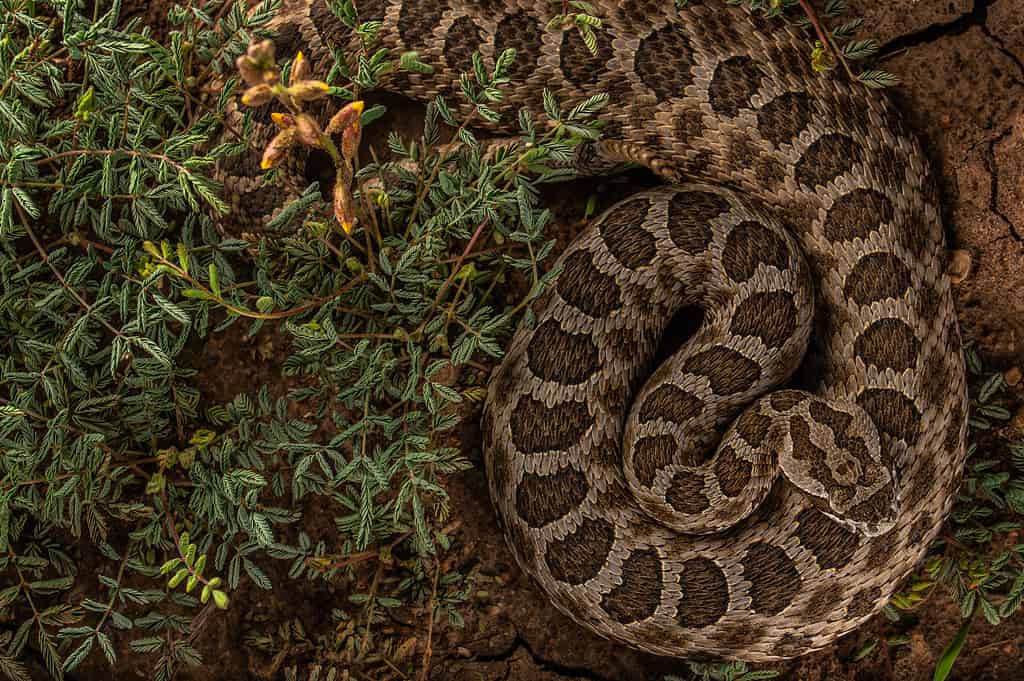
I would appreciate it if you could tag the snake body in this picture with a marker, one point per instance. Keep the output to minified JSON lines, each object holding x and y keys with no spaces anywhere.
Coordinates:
{"x":696,"y":507}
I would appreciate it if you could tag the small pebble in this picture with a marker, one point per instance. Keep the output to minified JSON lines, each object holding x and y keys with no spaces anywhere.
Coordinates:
{"x":1012,"y":376}
{"x":959,"y":266}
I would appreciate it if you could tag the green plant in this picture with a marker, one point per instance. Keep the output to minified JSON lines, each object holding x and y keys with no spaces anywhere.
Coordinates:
{"x":978,"y":561}
{"x":115,"y":269}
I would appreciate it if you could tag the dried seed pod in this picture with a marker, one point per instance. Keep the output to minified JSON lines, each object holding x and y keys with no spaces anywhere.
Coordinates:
{"x":344,"y":207}
{"x":348,"y":114}
{"x":249,"y":70}
{"x":277,"y":148}
{"x":308,"y":130}
{"x":309,"y":90}
{"x":258,"y":95}
{"x":262,"y":53}
{"x":300,"y":68}
{"x":350,"y":140}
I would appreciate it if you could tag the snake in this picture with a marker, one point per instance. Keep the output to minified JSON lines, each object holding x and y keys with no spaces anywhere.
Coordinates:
{"x":762,"y":486}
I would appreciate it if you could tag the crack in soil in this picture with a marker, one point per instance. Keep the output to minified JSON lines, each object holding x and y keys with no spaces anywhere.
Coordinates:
{"x":978,"y":16}
{"x":993,"y":171}
{"x":543,"y":664}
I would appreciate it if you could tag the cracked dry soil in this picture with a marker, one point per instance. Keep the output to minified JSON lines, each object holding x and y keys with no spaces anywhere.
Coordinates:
{"x":962,"y":66}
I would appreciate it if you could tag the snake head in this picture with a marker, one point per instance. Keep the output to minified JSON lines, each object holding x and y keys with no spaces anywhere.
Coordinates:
{"x":833,"y":453}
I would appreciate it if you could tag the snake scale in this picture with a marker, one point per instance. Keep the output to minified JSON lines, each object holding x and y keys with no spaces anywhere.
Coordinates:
{"x":697,"y":507}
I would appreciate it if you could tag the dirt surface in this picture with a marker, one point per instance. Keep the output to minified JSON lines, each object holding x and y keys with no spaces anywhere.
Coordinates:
{"x":962,"y":65}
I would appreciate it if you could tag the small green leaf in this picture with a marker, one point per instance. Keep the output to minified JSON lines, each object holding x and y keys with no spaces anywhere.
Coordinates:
{"x":952,"y":651}
{"x":169,"y":565}
{"x":214,"y":280}
{"x":183,"y":260}
{"x":178,"y":578}
{"x":220,"y":599}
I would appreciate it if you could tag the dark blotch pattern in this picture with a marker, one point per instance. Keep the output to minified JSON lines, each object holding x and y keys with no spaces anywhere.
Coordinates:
{"x":522,"y":33}
{"x":728,"y":371}
{"x":733,"y":473}
{"x":736,"y":80}
{"x":664,"y":60}
{"x":258,"y":202}
{"x":581,"y":67}
{"x":689,"y":217}
{"x":831,"y":543}
{"x":749,"y":245}
{"x":556,"y":355}
{"x":541,"y":499}
{"x":826,"y":159}
{"x":773,"y":577}
{"x":689,"y":125}
{"x":785,"y":400}
{"x":584,"y":287}
{"x":537,"y":428}
{"x":417,"y":20}
{"x":864,"y":601}
{"x":625,"y":237}
{"x":876,"y":277}
{"x":892,"y":412}
{"x":705,"y":593}
{"x":650,"y":455}
{"x":953,"y":440}
{"x":639,"y":594}
{"x":671,"y":403}
{"x":857,"y":215}
{"x":783,"y":118}
{"x":771,"y":316}
{"x":580,"y":555}
{"x":823,"y":601}
{"x":935,"y":380}
{"x":288,"y":41}
{"x":753,"y":427}
{"x":888,"y":344}
{"x":463,"y":39}
{"x":329,"y":27}
{"x":685,"y":494}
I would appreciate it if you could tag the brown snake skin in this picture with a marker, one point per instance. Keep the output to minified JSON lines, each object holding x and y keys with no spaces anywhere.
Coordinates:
{"x":696,"y":508}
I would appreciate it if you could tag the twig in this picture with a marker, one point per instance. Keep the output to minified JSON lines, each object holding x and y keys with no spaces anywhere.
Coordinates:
{"x":824,"y":37}
{"x":428,"y":650}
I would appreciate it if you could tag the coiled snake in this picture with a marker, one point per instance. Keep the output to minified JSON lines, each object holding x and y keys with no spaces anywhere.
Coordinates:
{"x":697,"y":507}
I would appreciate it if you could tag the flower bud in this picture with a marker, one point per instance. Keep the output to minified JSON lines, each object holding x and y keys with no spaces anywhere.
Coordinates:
{"x":344,"y":207}
{"x":258,"y":95}
{"x":300,"y":68}
{"x":308,"y":131}
{"x":345,"y":117}
{"x":277,"y":148}
{"x":309,"y":90}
